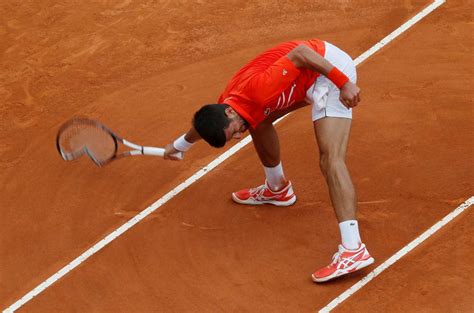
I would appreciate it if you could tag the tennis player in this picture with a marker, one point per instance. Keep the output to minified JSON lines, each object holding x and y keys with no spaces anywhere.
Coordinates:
{"x":282,"y":79}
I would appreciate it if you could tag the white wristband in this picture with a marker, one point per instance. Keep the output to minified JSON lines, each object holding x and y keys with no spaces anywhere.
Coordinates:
{"x":181,"y":144}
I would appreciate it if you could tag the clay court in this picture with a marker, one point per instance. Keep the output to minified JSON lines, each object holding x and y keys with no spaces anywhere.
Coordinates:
{"x":143,"y":68}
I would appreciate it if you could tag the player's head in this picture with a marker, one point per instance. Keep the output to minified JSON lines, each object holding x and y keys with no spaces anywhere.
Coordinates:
{"x":218,"y":123}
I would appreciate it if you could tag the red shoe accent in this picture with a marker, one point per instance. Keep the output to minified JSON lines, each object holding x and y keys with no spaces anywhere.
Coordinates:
{"x":264,"y":195}
{"x":344,"y":262}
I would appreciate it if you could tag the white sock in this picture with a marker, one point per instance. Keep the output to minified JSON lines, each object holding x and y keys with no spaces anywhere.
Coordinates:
{"x":350,"y":234}
{"x":275,"y":177}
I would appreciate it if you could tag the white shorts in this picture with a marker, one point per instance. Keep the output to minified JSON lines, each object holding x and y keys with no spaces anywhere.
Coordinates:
{"x":323,"y":95}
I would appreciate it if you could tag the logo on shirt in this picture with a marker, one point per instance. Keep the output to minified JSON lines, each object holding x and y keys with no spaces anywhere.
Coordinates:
{"x":285,"y":72}
{"x":284,"y":101}
{"x":267,"y":111}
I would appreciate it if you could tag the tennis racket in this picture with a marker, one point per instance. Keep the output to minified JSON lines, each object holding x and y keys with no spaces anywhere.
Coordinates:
{"x":80,"y":136}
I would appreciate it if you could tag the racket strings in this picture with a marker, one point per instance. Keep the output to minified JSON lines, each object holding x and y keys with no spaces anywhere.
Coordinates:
{"x":86,"y":137}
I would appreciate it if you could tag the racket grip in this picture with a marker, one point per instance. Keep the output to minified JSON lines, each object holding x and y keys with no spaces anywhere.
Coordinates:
{"x":159,"y":152}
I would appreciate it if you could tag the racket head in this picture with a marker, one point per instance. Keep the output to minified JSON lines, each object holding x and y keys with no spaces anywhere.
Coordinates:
{"x":80,"y":136}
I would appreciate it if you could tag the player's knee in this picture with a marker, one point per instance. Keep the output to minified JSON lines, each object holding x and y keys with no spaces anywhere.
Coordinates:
{"x":330,"y":163}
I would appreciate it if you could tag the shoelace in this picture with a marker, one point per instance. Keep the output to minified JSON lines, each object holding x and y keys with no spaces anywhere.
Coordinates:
{"x":257,"y":191}
{"x":336,"y":257}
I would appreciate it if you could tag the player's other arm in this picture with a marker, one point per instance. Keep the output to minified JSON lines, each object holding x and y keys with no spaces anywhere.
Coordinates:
{"x":304,"y":56}
{"x":181,"y":144}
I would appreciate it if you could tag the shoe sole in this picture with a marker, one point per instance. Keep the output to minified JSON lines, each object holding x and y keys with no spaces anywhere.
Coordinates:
{"x":254,"y":202}
{"x":355,"y":267}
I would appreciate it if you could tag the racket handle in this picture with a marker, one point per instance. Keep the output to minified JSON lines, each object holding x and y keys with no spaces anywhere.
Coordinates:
{"x":159,"y":152}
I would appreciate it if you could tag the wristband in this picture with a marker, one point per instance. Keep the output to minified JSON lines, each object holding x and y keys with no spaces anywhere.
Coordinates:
{"x":181,"y":144}
{"x":337,"y":77}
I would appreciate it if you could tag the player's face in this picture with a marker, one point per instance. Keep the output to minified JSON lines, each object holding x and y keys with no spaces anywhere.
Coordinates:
{"x":236,"y":128}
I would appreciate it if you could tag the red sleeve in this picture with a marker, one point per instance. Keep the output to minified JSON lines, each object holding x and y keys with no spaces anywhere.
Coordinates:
{"x":267,"y":85}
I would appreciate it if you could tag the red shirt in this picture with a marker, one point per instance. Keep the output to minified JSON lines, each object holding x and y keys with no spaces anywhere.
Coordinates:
{"x":270,"y":82}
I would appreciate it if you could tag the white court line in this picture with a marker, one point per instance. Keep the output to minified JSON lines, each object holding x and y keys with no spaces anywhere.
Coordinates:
{"x":415,"y":19}
{"x":397,"y":256}
{"x":140,"y":216}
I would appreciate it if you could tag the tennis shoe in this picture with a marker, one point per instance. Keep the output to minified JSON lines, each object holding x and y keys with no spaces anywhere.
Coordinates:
{"x":264,"y":195}
{"x":344,"y":261}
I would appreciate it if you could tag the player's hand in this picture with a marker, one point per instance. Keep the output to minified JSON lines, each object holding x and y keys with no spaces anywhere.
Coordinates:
{"x":350,"y":95}
{"x":172,"y":154}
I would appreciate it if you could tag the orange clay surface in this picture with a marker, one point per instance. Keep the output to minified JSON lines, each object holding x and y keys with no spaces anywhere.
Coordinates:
{"x":143,"y":68}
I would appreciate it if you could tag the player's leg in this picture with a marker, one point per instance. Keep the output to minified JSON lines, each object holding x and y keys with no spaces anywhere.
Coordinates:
{"x":266,"y":143}
{"x":277,"y":190}
{"x":332,"y":123}
{"x":332,"y":134}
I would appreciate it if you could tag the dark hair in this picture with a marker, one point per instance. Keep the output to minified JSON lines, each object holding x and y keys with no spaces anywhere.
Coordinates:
{"x":210,"y":122}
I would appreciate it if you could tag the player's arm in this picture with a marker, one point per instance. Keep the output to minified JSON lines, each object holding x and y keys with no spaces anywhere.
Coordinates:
{"x":181,"y":144}
{"x":304,"y":56}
